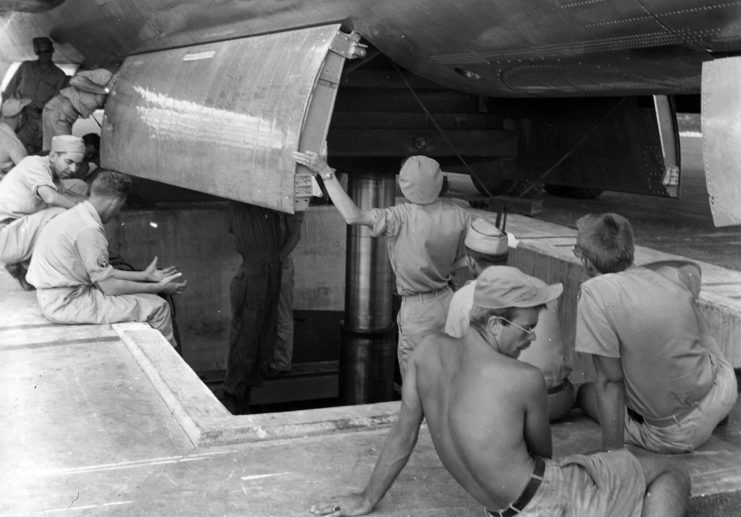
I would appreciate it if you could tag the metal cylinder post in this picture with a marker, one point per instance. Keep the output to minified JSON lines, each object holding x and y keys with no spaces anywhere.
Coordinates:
{"x":368,"y":335}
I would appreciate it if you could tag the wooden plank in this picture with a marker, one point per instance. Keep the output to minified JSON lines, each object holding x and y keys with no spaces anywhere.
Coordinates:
{"x":20,"y":337}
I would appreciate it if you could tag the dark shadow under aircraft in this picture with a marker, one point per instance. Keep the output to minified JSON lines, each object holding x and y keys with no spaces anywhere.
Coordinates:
{"x":580,"y":95}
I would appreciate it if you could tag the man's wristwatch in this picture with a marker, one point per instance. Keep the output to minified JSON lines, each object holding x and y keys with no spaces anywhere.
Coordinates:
{"x":329,"y":175}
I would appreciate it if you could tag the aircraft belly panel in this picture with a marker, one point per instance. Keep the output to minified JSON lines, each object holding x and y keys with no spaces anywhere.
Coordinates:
{"x":223,"y":118}
{"x":721,"y":133}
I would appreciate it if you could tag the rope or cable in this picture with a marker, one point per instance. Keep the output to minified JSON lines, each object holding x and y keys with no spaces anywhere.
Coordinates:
{"x":440,"y":130}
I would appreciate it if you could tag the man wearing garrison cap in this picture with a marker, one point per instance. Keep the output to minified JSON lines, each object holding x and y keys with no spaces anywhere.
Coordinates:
{"x":486,"y":412}
{"x":487,"y":246}
{"x":38,"y":80}
{"x":12,"y":150}
{"x":32,"y":193}
{"x":424,"y":238}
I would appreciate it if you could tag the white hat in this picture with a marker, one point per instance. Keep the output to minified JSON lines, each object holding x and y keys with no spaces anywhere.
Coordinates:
{"x":484,"y":237}
{"x":420,"y":179}
{"x":67,"y":144}
{"x":12,"y":107}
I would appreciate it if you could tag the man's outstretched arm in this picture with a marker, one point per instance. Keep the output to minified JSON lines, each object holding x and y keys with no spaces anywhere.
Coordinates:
{"x":350,"y":212}
{"x":394,"y":455}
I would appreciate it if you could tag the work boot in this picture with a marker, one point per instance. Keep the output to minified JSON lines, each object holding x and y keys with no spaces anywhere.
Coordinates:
{"x":234,"y":405}
{"x":18,"y":271}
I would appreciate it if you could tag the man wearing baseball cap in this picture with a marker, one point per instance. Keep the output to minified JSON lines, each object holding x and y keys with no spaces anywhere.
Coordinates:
{"x":38,"y":80}
{"x":424,"y":238}
{"x":12,"y":150}
{"x":486,"y":413}
{"x":31,"y":194}
{"x":486,"y":246}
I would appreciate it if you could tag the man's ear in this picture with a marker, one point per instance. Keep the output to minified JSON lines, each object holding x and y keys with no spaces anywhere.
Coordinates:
{"x":494,"y":325}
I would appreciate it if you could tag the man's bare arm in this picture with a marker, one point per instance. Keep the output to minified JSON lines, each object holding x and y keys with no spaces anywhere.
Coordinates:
{"x":610,"y":392}
{"x":537,"y":426}
{"x":350,"y":212}
{"x":113,"y":286}
{"x":53,"y":198}
{"x":394,"y":455}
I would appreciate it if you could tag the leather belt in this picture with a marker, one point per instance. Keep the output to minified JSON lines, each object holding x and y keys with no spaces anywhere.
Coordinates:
{"x":536,"y":478}
{"x":662,"y":422}
{"x":558,"y":388}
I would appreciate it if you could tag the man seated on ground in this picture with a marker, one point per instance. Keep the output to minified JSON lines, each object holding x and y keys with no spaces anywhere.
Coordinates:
{"x":73,"y":279}
{"x":12,"y":150}
{"x":424,"y":238}
{"x":487,"y":246}
{"x":486,"y":414}
{"x":661,"y":381}
{"x":31,"y":194}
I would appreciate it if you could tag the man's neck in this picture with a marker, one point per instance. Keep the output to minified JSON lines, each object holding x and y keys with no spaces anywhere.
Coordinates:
{"x":479,"y":335}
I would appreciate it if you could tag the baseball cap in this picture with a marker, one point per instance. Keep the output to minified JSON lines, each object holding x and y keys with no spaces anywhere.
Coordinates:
{"x":484,"y":237}
{"x":420,"y":179}
{"x":500,"y":287}
{"x":12,"y":107}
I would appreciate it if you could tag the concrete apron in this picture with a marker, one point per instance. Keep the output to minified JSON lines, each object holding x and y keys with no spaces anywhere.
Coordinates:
{"x":109,"y":419}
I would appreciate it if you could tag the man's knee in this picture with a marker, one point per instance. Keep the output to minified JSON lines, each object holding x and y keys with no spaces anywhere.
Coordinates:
{"x":666,"y":468}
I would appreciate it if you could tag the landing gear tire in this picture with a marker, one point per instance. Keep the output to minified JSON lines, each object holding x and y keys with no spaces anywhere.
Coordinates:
{"x":574,"y":192}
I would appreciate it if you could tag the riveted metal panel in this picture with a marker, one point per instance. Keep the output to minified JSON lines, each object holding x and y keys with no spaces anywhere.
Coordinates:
{"x":721,"y":134}
{"x":223,"y":118}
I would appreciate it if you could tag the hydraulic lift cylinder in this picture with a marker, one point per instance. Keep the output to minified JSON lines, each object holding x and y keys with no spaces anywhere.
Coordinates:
{"x":368,"y":346}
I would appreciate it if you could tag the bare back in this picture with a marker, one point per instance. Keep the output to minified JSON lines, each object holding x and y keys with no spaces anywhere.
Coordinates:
{"x":486,"y":413}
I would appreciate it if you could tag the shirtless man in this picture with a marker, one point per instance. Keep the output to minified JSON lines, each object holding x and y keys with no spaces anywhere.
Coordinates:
{"x":486,"y":413}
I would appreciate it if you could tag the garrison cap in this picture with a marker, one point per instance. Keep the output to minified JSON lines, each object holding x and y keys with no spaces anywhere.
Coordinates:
{"x":484,"y":237}
{"x":67,"y":144}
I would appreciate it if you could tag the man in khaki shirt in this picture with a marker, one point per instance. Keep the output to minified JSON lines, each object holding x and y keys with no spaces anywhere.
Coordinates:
{"x":38,"y":80}
{"x":31,"y":194}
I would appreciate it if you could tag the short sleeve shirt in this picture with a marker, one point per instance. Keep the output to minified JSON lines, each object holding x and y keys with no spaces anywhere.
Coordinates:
{"x":424,"y":242}
{"x":19,"y":189}
{"x":32,"y":83}
{"x":72,"y":250}
{"x":649,"y":322}
{"x":85,"y":102}
{"x":257,"y":231}
{"x":460,"y":308}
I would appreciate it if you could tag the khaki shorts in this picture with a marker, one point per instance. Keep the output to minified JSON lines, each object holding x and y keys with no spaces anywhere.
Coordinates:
{"x":694,"y":428}
{"x":606,"y":484}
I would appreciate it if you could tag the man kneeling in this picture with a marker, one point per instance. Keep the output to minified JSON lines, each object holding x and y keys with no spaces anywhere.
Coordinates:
{"x":73,"y":279}
{"x":486,"y":413}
